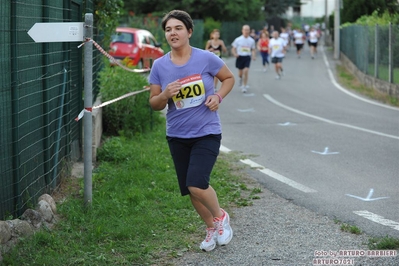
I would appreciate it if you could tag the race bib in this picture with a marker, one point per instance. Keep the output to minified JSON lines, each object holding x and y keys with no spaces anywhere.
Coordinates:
{"x":276,"y":47}
{"x":192,"y":92}
{"x":245,"y":49}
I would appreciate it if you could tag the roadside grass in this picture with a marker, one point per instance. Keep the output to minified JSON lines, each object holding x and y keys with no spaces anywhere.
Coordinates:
{"x":137,"y":215}
{"x":374,"y":243}
{"x":351,"y":229}
{"x":387,"y":242}
{"x":349,"y":81}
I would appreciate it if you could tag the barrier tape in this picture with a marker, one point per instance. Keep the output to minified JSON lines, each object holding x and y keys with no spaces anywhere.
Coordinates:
{"x":110,"y":57}
{"x":146,"y":88}
{"x":90,"y":109}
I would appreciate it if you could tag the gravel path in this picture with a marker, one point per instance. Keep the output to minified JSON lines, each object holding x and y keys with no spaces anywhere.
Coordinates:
{"x":275,"y":231}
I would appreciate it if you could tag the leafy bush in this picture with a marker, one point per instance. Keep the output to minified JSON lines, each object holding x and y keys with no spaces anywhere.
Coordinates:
{"x":375,"y":18}
{"x":130,"y":115}
{"x":209,"y":25}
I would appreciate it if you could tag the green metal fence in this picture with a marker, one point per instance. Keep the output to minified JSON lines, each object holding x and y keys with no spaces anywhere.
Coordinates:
{"x":232,"y":29}
{"x":40,"y":95}
{"x":373,"y":49}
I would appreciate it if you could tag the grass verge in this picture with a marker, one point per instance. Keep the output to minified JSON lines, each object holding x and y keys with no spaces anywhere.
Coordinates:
{"x":137,"y":215}
{"x":349,"y":81}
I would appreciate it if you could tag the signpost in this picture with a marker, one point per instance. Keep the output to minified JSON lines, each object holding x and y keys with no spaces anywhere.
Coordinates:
{"x":57,"y":32}
{"x":76,"y":32}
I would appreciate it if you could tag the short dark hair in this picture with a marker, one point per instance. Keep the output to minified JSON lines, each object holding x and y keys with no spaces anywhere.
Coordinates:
{"x":181,"y":15}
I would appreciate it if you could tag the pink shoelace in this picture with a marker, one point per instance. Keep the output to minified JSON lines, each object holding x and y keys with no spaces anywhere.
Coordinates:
{"x":209,"y":234}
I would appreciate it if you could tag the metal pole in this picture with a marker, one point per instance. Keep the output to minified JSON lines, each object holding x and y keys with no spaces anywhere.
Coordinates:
{"x":16,"y":158}
{"x":390,"y":54}
{"x":325,"y":20}
{"x":336,"y":29}
{"x":376,"y":48}
{"x":88,"y":104}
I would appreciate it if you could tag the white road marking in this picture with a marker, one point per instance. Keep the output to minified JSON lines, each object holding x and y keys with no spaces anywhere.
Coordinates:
{"x":268,"y":97}
{"x":326,"y":152}
{"x":287,"y":124}
{"x":272,"y":174}
{"x":224,"y":149}
{"x":335,"y":83}
{"x":368,"y":198}
{"x":278,"y":177}
{"x":378,"y":219}
{"x":246,"y":110}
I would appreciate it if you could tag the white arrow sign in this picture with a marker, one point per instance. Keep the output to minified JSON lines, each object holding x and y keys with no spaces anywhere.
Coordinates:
{"x":57,"y":32}
{"x":287,"y":124}
{"x":325,"y":152}
{"x":368,"y":198}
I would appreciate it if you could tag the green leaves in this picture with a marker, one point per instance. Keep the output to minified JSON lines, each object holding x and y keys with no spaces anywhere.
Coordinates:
{"x":128,"y":116}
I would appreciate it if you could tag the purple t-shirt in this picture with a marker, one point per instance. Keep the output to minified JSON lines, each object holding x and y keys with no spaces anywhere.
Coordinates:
{"x":187,"y":115}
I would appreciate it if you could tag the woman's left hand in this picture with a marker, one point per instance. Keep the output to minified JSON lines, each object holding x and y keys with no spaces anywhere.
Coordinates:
{"x":212,"y":102}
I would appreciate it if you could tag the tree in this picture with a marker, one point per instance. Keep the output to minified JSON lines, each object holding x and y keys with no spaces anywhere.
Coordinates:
{"x":227,"y":10}
{"x":354,"y":9}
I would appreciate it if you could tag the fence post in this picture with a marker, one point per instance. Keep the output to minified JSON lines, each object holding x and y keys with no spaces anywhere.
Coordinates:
{"x":15,"y":113}
{"x":88,"y":104}
{"x":376,"y":49}
{"x":390,"y":54}
{"x":46,"y":105}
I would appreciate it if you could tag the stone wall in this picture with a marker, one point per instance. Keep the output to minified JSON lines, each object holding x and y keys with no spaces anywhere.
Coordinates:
{"x":369,"y":81}
{"x":43,"y":216}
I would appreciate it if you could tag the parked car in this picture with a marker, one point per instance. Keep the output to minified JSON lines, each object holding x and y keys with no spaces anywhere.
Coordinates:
{"x":138,"y":45}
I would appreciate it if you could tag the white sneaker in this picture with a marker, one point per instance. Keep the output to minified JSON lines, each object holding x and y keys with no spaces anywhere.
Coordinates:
{"x":223,"y":229}
{"x":247,"y":87}
{"x":243,"y":89}
{"x":278,"y":77}
{"x":210,"y":240}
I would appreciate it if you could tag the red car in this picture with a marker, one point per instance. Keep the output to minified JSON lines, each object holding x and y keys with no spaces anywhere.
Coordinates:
{"x":138,"y":45}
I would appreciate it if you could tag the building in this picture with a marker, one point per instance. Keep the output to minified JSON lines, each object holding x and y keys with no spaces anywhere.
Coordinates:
{"x":311,"y":9}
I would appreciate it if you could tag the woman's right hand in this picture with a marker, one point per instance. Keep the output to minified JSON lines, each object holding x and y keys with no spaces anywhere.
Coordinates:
{"x":172,"y":89}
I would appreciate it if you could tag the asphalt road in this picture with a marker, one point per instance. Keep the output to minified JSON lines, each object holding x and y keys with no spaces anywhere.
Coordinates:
{"x":308,"y":140}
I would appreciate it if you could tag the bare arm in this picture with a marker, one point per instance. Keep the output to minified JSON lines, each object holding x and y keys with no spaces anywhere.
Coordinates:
{"x":207,"y":45}
{"x":227,"y":79}
{"x":224,"y":49}
{"x":253,"y":54}
{"x":234,"y":51}
{"x":159,"y":98}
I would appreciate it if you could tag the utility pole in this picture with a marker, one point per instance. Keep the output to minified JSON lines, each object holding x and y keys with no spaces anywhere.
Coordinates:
{"x":326,"y":14}
{"x":336,"y":29}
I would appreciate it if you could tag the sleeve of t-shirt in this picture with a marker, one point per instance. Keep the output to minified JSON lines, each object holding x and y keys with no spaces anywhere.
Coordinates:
{"x":215,"y":64}
{"x":234,"y":43}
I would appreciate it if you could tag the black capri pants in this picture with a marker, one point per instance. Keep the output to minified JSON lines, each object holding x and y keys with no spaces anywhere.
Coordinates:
{"x":194,"y":159}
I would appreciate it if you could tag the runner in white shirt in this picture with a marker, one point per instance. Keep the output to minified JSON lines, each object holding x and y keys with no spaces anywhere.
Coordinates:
{"x":299,"y":39}
{"x":242,"y":49}
{"x":277,"y":53}
{"x":286,"y":37}
{"x":313,"y":39}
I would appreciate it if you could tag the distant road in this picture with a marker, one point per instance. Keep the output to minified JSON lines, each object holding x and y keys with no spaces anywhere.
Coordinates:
{"x":310,"y":142}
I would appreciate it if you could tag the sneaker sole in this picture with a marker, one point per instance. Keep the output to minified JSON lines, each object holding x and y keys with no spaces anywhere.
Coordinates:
{"x":209,"y":249}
